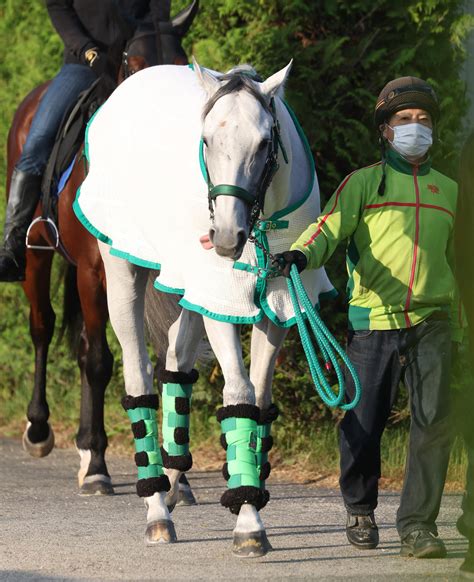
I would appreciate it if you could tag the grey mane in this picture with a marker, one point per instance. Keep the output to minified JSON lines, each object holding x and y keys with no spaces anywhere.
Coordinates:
{"x":240,"y":78}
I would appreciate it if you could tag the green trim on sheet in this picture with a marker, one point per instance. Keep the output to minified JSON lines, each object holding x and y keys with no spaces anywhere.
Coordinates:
{"x":217,"y":316}
{"x":165,"y":289}
{"x":85,"y":222}
{"x":135,"y":260}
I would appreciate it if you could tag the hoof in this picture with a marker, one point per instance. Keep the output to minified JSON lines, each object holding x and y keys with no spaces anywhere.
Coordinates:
{"x":38,"y":449}
{"x":186,"y":496}
{"x":97,"y":485}
{"x":160,"y":532}
{"x":251,"y":545}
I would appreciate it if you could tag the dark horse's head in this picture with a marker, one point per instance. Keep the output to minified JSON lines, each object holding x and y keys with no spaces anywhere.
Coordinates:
{"x":141,"y":51}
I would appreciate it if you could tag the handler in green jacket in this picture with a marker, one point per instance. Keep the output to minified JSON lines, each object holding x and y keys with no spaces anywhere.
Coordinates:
{"x":398,"y":217}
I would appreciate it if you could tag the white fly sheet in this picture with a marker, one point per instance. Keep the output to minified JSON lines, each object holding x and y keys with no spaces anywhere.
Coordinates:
{"x":146,"y":196}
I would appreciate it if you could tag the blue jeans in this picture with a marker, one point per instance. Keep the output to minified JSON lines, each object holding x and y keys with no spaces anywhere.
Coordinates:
{"x":419,"y":356}
{"x":63,"y":92}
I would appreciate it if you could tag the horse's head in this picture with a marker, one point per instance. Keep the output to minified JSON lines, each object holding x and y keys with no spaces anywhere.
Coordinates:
{"x":240,"y":134}
{"x":141,"y":50}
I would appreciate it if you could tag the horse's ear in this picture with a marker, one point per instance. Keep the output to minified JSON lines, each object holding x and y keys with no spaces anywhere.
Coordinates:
{"x":274,"y":85}
{"x":209,"y":83}
{"x":181,"y":23}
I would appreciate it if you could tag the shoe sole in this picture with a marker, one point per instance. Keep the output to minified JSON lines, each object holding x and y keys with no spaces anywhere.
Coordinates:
{"x":427,"y":553}
{"x":367,"y":546}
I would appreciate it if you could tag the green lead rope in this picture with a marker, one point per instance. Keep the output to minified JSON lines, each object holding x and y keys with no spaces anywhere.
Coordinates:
{"x":328,"y":345}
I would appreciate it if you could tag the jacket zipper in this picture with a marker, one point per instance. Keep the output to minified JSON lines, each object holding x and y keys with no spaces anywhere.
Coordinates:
{"x":415,"y":247}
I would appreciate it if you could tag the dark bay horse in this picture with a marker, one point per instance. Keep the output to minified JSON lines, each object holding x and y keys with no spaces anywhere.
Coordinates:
{"x":84,"y":288}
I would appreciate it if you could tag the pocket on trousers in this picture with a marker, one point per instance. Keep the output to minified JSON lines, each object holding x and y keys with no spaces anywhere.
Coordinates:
{"x":361,"y":333}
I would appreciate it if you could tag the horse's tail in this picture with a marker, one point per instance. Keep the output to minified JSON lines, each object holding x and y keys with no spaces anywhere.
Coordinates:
{"x":72,"y":322}
{"x":161,"y":310}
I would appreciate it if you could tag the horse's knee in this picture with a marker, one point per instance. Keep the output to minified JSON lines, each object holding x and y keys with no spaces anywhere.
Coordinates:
{"x":99,"y":364}
{"x":42,"y":327}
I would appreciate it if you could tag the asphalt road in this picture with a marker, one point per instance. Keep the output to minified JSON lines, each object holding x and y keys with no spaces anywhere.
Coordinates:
{"x":48,"y":532}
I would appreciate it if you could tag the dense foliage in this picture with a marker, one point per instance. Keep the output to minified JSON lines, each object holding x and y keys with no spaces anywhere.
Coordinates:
{"x":343,"y":52}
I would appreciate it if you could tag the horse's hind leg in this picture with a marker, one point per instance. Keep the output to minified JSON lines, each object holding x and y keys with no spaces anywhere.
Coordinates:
{"x":95,"y":363}
{"x":38,"y":439}
{"x":126,"y":286}
{"x":184,"y":338}
{"x":238,"y":417}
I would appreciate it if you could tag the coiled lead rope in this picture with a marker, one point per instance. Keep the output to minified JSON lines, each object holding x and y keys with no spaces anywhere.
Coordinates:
{"x":328,"y":345}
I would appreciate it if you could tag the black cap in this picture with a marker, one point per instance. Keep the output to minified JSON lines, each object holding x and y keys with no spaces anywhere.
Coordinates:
{"x":406,"y":93}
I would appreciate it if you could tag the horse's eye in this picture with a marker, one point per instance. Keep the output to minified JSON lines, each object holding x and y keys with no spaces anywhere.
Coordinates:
{"x":263,"y":144}
{"x":204,"y":141}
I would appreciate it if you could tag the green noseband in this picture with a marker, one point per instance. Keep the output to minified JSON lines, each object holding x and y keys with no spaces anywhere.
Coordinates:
{"x":229,"y":190}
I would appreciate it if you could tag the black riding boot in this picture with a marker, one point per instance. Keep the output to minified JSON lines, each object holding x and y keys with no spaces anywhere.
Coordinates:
{"x":25,"y":191}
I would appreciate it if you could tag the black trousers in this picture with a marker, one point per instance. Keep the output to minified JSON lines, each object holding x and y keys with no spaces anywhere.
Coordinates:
{"x":419,"y":356}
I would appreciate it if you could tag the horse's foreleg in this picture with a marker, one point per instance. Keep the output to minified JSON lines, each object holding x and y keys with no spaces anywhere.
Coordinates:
{"x":38,"y":439}
{"x":178,"y":378}
{"x":238,"y":417}
{"x":126,"y":286}
{"x":96,"y":363}
{"x":266,"y":342}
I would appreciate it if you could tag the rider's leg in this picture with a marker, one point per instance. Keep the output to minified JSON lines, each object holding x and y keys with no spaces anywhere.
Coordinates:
{"x":25,"y":185}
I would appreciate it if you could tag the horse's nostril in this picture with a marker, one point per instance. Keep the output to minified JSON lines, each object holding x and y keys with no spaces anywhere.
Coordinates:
{"x":241,"y":239}
{"x":212,"y":233}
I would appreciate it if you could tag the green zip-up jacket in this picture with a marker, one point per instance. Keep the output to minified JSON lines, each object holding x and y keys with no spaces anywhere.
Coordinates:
{"x":400,"y":247}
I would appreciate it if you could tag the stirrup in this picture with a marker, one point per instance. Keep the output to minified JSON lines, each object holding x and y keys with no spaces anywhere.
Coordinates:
{"x":41,"y":247}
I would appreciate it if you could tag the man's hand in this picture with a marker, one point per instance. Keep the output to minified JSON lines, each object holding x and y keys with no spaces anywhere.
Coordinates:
{"x":96,"y":60}
{"x":285,"y":260}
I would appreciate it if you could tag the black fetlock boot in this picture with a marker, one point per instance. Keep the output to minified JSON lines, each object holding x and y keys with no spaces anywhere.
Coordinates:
{"x":25,"y":192}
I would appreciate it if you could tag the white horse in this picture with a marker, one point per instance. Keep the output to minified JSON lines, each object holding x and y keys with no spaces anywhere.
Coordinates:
{"x":260,"y":182}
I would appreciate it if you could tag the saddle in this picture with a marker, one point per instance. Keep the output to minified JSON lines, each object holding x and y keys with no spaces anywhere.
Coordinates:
{"x":68,"y":141}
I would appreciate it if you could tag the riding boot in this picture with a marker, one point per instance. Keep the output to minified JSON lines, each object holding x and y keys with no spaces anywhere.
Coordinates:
{"x":25,"y":191}
{"x":141,"y":411}
{"x":239,"y":438}
{"x":176,"y":405}
{"x":265,"y":441}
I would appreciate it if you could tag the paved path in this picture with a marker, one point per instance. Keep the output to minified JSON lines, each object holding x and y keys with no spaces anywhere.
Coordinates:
{"x":48,"y":532}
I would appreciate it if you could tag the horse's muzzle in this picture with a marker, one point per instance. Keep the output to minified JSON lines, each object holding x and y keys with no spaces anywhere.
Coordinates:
{"x":228,"y":245}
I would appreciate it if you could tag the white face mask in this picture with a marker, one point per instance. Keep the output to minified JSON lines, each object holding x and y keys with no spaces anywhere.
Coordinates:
{"x":412,"y":140}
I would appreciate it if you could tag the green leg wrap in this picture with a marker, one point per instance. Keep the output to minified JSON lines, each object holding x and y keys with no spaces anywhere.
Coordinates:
{"x":265,"y":441}
{"x":141,"y":411}
{"x":239,"y":429}
{"x":176,"y":400}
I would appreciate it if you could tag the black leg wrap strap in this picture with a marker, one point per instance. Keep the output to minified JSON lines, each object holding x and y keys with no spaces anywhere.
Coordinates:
{"x":267,"y":443}
{"x":265,"y":471}
{"x":139,"y":429}
{"x":181,"y":435}
{"x":148,"y":487}
{"x":225,"y":472}
{"x":179,"y":462}
{"x":270,"y":414}
{"x":144,"y":401}
{"x":238,"y":411}
{"x":182,"y":405}
{"x":223,"y":442}
{"x":141,"y":460}
{"x":167,"y":377}
{"x":235,"y":498}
